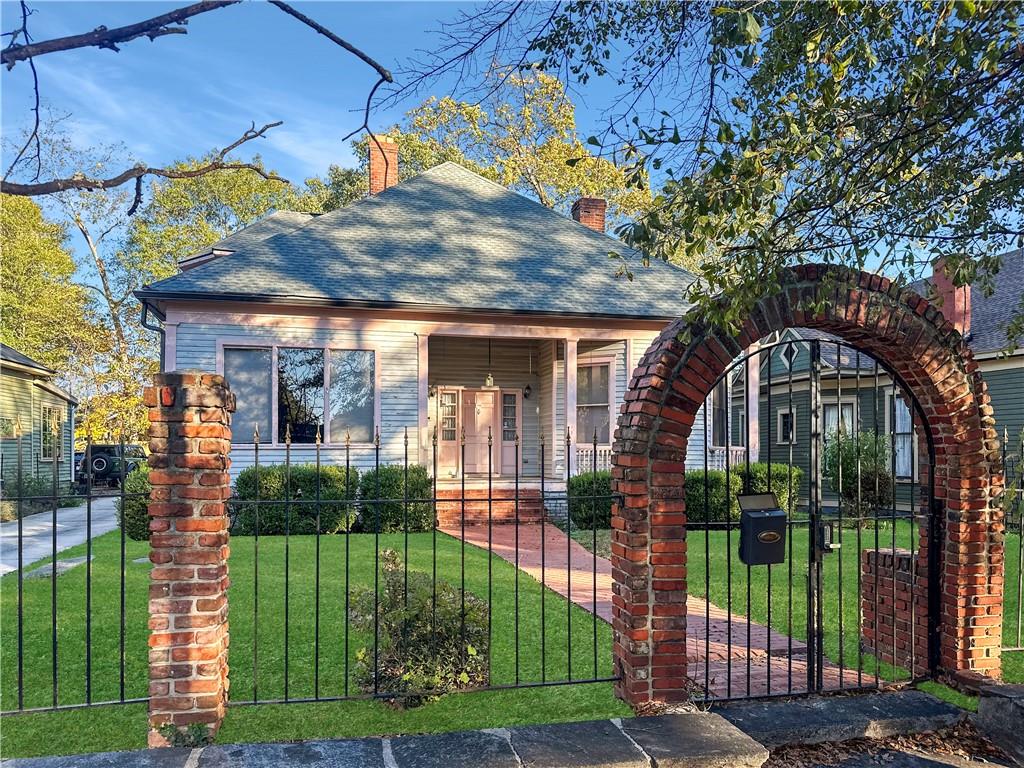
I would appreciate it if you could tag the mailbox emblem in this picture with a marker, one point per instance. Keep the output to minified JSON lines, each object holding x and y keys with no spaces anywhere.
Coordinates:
{"x":769,"y":537}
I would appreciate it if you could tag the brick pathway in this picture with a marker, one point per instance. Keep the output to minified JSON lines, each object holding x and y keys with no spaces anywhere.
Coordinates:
{"x":708,"y":626}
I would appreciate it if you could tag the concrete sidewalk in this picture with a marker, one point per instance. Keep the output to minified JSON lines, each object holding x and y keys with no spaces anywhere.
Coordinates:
{"x":72,"y":530}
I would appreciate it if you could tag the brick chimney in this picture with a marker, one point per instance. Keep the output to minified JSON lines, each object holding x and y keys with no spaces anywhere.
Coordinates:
{"x":383,"y":163}
{"x":589,"y":211}
{"x":955,"y":301}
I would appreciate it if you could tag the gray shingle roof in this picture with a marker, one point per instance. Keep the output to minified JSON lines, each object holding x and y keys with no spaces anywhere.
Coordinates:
{"x":11,"y":355}
{"x":990,"y":314}
{"x":447,"y":238}
{"x":277,"y":223}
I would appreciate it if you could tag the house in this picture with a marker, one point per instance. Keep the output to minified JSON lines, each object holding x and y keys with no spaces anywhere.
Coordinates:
{"x":857,"y":394}
{"x":30,"y":402}
{"x":446,"y":305}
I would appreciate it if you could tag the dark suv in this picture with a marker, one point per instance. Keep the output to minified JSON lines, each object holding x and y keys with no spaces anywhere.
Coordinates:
{"x":107,"y":462}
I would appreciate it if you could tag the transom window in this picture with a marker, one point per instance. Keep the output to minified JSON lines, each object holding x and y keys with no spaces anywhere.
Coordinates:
{"x":593,"y":410}
{"x":328,"y":390}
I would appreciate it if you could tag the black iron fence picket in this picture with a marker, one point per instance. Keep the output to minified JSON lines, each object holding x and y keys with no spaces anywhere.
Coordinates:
{"x":1013,"y":469}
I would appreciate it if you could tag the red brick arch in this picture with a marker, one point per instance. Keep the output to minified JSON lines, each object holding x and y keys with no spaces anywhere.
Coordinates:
{"x":894,"y":325}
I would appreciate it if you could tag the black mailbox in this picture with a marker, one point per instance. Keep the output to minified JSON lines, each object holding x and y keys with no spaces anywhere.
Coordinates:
{"x":762,"y":529}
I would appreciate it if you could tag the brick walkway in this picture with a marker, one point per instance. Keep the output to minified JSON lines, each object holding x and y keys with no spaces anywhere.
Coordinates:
{"x":708,"y":626}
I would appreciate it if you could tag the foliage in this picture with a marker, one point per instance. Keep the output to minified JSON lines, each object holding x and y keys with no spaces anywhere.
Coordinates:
{"x":522,"y":136}
{"x":719,"y":499}
{"x":36,"y":494}
{"x":193,"y":735}
{"x":133,"y":512}
{"x":427,"y":645}
{"x":867,"y":455}
{"x":388,"y":484}
{"x":591,"y":512}
{"x":856,"y":133}
{"x":276,"y":483}
{"x":46,"y":315}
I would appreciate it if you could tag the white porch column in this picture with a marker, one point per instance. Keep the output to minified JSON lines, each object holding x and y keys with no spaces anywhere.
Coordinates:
{"x":423,"y":389}
{"x":752,"y":406}
{"x":570,"y":403}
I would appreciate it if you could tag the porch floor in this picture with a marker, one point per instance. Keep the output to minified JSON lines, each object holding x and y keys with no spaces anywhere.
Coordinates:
{"x":573,"y":572}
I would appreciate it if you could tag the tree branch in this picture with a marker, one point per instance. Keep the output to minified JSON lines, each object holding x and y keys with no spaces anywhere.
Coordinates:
{"x":83,"y":182}
{"x":101,"y":37}
{"x":384,"y":74}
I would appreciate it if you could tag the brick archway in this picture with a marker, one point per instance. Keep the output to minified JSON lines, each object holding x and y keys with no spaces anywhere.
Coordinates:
{"x":895,"y":326}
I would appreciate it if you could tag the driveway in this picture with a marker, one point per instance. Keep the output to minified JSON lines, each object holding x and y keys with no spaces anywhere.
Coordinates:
{"x":38,"y":532}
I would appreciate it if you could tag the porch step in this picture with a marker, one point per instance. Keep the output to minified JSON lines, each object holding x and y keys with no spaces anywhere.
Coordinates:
{"x":501,"y":510}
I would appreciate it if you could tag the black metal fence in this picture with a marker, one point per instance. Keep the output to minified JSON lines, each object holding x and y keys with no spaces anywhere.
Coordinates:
{"x":1013,"y":467}
{"x":73,"y":604}
{"x":392,"y":582}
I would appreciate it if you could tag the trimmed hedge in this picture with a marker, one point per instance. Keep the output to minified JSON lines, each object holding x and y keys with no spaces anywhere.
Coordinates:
{"x":722,"y":504}
{"x":590,"y":512}
{"x":133,"y":515}
{"x":337,"y":496}
{"x":388,"y":485}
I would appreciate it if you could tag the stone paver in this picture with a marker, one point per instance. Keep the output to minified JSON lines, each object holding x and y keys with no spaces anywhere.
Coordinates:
{"x":599,"y":743}
{"x":468,"y":749}
{"x":695,"y":740}
{"x":569,"y":569}
{"x":365,"y":753}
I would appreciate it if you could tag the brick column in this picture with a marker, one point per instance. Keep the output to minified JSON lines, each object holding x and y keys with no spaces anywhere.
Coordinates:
{"x":190,"y":438}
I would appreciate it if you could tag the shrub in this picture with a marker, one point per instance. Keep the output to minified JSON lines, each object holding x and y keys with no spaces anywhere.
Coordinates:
{"x":36,"y":494}
{"x":590,"y":512}
{"x":388,"y":484}
{"x":718,"y":498}
{"x":717,"y":495}
{"x":133,"y":512}
{"x":299,"y":484}
{"x":422,"y":654}
{"x":873,"y":453}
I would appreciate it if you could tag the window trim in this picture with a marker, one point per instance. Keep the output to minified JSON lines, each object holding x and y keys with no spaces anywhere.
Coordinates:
{"x":727,"y":409}
{"x":44,"y":430}
{"x":327,"y":344}
{"x":831,"y":402}
{"x":794,"y":413}
{"x":889,"y":427}
{"x":590,"y":362}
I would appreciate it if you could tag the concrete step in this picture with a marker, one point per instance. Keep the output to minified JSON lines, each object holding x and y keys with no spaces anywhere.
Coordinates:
{"x":820,"y":719}
{"x":1001,"y":718}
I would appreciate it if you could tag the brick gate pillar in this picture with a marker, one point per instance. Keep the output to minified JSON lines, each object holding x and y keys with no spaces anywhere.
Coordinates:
{"x":189,"y":441}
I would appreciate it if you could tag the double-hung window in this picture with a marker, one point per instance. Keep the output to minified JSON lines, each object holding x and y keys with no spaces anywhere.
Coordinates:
{"x":593,"y":409}
{"x":49,"y":447}
{"x":902,"y":435}
{"x":785,"y":428}
{"x":317,"y":389}
{"x":720,"y":415}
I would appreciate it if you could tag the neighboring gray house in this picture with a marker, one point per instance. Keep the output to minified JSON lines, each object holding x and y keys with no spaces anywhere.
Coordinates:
{"x":445,"y":303}
{"x":29,"y":402}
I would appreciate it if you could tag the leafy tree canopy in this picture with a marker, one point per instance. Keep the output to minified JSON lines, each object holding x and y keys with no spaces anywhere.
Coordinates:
{"x":877,"y":135}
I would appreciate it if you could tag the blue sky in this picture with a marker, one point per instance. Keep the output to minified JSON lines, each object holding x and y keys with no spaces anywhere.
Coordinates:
{"x":242,"y":64}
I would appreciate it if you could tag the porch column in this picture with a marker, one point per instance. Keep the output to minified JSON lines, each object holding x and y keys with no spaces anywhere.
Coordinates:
{"x":752,"y":407}
{"x":570,"y":404}
{"x":423,"y":389}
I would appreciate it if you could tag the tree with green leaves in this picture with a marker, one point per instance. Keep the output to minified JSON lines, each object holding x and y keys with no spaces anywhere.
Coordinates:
{"x":46,"y":315}
{"x":879,"y":135}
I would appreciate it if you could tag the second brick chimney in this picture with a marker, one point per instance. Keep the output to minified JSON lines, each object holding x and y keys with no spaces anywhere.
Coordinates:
{"x":383,"y":163}
{"x":590,"y":212}
{"x":955,"y":301}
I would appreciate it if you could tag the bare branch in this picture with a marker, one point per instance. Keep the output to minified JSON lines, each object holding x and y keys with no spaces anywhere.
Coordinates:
{"x":101,"y":37}
{"x":83,"y":182}
{"x":33,"y":136}
{"x":384,"y":74}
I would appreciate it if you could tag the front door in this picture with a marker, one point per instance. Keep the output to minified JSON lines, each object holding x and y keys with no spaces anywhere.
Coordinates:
{"x":478,"y":412}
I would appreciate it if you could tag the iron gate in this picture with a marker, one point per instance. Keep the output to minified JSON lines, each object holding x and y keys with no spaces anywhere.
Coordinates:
{"x":840,"y":440}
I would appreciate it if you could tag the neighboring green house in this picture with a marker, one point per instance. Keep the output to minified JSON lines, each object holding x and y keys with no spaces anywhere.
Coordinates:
{"x":29,"y":402}
{"x":853,"y":396}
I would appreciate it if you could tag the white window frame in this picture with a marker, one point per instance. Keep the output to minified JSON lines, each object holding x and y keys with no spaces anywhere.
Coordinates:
{"x":593,"y":362}
{"x":793,"y":413}
{"x":727,"y":409}
{"x":741,"y":419}
{"x":45,"y":430}
{"x":327,"y":345}
{"x":913,"y":476}
{"x":830,"y":402}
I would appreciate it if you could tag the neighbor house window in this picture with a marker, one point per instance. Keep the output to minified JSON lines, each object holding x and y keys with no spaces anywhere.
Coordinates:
{"x":300,"y":393}
{"x":720,"y":415}
{"x":740,"y":428}
{"x":352,"y":385}
{"x":248,"y":375}
{"x":786,"y":426}
{"x":902,"y":435}
{"x":50,"y":445}
{"x":7,"y":427}
{"x":593,"y":411}
{"x":839,"y":417}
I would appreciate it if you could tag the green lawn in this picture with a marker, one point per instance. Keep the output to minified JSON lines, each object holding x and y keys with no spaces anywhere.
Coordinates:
{"x":122,"y":727}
